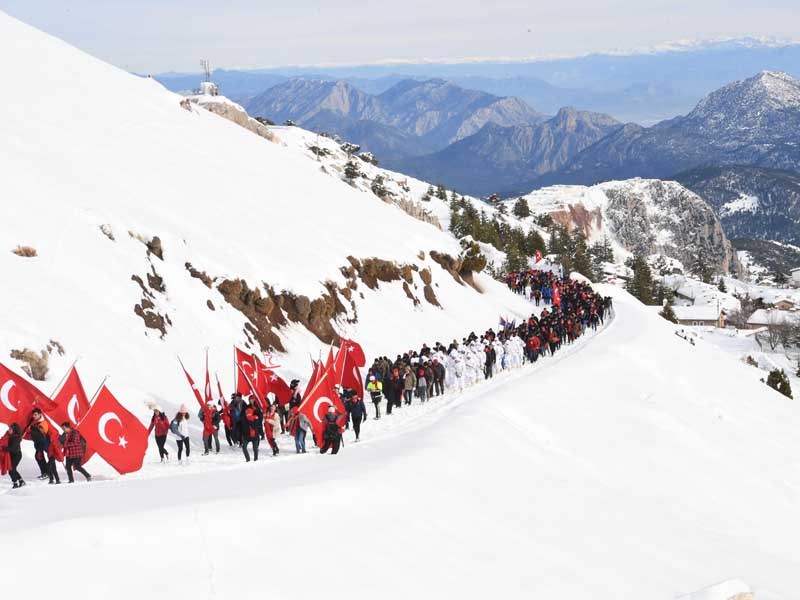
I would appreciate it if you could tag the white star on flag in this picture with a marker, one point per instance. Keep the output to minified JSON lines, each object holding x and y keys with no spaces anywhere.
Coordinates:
{"x":123,"y":442}
{"x":274,"y":377}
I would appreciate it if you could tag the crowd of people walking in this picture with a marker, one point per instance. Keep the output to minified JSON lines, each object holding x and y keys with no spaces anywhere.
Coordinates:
{"x":569,"y":308}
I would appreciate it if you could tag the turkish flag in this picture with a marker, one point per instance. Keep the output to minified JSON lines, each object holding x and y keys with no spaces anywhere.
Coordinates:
{"x":70,"y":402}
{"x":114,"y":433}
{"x":193,"y":385}
{"x":556,"y":296}
{"x":272,"y":382}
{"x":71,"y":405}
{"x":537,"y":256}
{"x":317,"y":401}
{"x":219,"y":389}
{"x":356,"y":351}
{"x":18,"y":397}
{"x":312,"y":381}
{"x":246,"y":373}
{"x":346,"y":372}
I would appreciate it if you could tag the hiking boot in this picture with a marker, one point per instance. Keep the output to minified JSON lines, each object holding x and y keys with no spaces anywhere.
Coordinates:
{"x":88,"y":478}
{"x":21,"y":483}
{"x":15,"y":486}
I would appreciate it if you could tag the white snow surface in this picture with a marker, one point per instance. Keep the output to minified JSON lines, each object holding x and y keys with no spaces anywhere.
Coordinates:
{"x":632,"y":465}
{"x":87,"y":145}
{"x":546,"y":480}
{"x":745,"y":203}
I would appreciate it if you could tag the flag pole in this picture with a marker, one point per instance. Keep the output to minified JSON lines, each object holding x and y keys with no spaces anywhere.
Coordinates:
{"x":102,"y":383}
{"x":63,"y":379}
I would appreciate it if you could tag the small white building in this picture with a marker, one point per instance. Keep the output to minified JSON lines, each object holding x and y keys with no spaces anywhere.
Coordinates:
{"x":697,"y":316}
{"x":771,"y":316}
{"x":795,"y":277}
{"x":208,"y":88}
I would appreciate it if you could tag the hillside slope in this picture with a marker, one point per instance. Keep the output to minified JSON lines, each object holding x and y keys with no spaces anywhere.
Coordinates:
{"x":253,"y":237}
{"x":546,"y":480}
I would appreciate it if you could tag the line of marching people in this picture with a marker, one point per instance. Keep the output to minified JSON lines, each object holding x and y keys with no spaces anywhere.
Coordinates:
{"x":570,"y":307}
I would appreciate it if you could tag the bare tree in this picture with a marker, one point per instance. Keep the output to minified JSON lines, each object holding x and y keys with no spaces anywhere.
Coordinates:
{"x":781,"y":330}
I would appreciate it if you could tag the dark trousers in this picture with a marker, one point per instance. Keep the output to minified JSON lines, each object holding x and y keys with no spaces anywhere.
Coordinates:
{"x":357,"y":425}
{"x":41,"y":460}
{"x":228,"y":436}
{"x":13,"y":473}
{"x":408,"y":394}
{"x":52,"y":471}
{"x":75,"y":463}
{"x":256,"y":441}
{"x":487,"y":371}
{"x":331,"y":443}
{"x":438,"y":387}
{"x":184,"y":443}
{"x":389,"y":403}
{"x":207,"y":441}
{"x":162,"y":451}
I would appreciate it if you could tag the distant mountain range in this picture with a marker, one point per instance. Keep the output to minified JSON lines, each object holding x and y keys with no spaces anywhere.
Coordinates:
{"x":497,"y":158}
{"x":410,"y":118}
{"x":643,"y":87}
{"x":752,"y":122}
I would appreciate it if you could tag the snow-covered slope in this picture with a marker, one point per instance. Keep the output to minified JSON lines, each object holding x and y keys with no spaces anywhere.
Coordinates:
{"x":87,"y":146}
{"x":631,"y":466}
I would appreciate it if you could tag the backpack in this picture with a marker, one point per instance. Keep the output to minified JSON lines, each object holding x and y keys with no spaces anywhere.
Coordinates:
{"x":173,"y":427}
{"x":215,"y":418}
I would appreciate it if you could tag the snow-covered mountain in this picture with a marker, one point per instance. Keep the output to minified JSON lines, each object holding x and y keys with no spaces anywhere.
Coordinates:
{"x":160,"y":228}
{"x":643,"y":217}
{"x":753,"y":122}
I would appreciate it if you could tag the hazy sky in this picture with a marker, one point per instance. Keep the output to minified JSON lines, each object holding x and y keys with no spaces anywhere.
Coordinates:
{"x":159,"y":35}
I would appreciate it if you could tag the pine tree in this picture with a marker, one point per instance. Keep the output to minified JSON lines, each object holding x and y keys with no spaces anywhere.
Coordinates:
{"x":515,"y":259}
{"x":668,"y":313}
{"x":779,"y":277}
{"x":472,"y":259}
{"x":552,"y":243}
{"x":534,"y":242}
{"x":441,"y":192}
{"x":701,"y":268}
{"x":501,"y":208}
{"x":581,"y":261}
{"x":778,"y":380}
{"x":379,"y":187}
{"x":721,"y":287}
{"x":521,"y":209}
{"x":352,"y":170}
{"x":641,"y":284}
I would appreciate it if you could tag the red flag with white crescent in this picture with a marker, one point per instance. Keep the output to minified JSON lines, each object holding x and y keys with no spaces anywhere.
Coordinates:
{"x":193,"y":385}
{"x":355,"y":350}
{"x":251,"y":388}
{"x":537,"y":256}
{"x":114,"y":433}
{"x":318,"y":400}
{"x":246,"y":372}
{"x":72,"y":404}
{"x":18,"y":398}
{"x":346,"y":372}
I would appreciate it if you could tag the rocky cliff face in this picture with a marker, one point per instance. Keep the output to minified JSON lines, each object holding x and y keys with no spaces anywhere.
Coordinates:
{"x":643,"y":216}
{"x":751,"y":202}
{"x":226,"y":109}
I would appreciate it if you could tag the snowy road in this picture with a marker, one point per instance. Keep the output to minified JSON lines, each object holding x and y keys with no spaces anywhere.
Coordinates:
{"x":632,"y":466}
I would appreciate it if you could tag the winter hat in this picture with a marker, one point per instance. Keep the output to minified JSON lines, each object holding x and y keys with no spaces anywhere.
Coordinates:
{"x":332,"y":409}
{"x":183,"y":409}
{"x":372,"y":378}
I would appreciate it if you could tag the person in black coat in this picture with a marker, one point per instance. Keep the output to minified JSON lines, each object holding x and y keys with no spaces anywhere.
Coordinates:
{"x":12,"y":440}
{"x":332,"y":432}
{"x":357,"y":412}
{"x":439,"y":373}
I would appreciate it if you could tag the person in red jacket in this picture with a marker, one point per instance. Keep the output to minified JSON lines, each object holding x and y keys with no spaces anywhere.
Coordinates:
{"x":54,"y":453}
{"x":252,"y":426}
{"x":160,"y":423}
{"x":210,"y":428}
{"x":74,"y":451}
